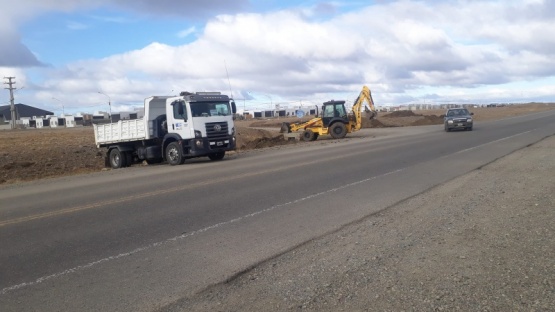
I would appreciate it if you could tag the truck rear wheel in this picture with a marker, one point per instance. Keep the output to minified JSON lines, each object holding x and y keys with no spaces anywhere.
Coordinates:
{"x":117,"y":159}
{"x":174,"y":154}
{"x":217,"y":156}
{"x":338,"y":130}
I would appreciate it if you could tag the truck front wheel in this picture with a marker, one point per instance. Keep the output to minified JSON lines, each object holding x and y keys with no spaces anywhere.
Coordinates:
{"x":174,"y":154}
{"x":117,"y":159}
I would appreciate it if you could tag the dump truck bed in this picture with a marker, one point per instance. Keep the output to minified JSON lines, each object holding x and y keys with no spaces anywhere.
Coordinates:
{"x":121,"y":131}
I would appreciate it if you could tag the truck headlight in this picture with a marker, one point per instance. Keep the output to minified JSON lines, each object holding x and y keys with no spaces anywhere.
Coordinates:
{"x":198,"y":143}
{"x":469,"y":120}
{"x":449,"y":121}
{"x":198,"y":134}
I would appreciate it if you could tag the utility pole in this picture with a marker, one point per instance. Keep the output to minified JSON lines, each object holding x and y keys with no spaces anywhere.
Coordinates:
{"x":109,"y":104}
{"x":12,"y":105}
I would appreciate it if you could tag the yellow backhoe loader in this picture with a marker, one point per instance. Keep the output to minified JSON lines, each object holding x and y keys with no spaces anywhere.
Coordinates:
{"x":334,"y":119}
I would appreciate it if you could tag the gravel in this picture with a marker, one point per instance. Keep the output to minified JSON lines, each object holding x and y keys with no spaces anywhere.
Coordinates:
{"x":482,"y":242}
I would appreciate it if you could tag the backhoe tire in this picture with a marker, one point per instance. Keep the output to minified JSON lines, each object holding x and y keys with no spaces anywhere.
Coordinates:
{"x":338,"y":130}
{"x":117,"y":159}
{"x":217,"y":156}
{"x":174,"y":154}
{"x":308,"y":135}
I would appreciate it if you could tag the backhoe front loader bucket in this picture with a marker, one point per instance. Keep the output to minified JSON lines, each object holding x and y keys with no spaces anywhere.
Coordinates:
{"x":285,"y":128}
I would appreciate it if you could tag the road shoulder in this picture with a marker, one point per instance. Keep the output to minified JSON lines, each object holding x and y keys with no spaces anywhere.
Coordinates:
{"x":483,"y":241}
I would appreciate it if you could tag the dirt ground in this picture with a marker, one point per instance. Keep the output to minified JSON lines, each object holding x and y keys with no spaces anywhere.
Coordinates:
{"x":33,"y":154}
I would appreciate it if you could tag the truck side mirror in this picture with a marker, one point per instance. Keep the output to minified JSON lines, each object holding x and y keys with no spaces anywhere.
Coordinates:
{"x":233,"y":107}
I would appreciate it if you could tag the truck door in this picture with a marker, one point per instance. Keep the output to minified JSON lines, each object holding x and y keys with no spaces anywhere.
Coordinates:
{"x":178,"y":119}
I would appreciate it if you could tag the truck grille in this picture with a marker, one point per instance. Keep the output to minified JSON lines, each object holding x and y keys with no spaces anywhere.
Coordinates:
{"x":216,"y":130}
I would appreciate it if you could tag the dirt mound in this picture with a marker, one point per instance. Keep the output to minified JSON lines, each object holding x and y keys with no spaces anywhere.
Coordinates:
{"x":372,"y":123}
{"x":249,"y":138}
{"x":429,"y":120}
{"x":265,"y":142}
{"x":403,"y":113}
{"x":274,"y":123}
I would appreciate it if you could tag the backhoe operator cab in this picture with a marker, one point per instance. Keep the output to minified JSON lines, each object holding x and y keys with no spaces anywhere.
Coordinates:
{"x":333,"y":111}
{"x":335,"y":118}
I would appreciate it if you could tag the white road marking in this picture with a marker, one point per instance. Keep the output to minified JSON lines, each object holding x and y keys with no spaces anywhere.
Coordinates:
{"x":183,"y":236}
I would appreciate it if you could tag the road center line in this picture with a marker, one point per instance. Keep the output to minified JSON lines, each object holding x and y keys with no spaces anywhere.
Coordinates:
{"x":183,"y":236}
{"x":165,"y":191}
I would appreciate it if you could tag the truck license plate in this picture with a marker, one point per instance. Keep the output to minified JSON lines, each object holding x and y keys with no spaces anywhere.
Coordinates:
{"x":219,"y":143}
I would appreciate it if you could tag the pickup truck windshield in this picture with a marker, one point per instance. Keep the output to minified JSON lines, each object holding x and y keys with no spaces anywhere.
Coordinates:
{"x":207,"y":109}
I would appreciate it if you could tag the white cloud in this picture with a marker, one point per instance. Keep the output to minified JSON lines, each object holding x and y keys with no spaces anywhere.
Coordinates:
{"x":397,"y":48}
{"x":186,"y":32}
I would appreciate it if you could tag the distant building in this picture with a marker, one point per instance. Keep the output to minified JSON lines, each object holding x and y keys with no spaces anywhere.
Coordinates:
{"x":21,"y":110}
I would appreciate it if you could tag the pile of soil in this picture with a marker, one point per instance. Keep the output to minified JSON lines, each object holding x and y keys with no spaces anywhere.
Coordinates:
{"x":404,"y":113}
{"x":409,"y":118}
{"x":429,"y":120}
{"x":373,"y":123}
{"x":252,"y":138}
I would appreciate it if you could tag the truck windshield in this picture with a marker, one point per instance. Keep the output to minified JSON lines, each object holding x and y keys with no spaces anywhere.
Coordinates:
{"x":207,"y":109}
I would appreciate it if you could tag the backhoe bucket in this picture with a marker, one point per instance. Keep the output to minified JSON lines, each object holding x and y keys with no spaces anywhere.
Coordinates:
{"x":369,"y":114}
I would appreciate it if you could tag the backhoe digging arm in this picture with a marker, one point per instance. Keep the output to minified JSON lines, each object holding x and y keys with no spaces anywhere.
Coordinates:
{"x":365,"y":95}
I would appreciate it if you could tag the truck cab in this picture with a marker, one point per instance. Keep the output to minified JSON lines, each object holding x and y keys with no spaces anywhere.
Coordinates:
{"x":195,"y":124}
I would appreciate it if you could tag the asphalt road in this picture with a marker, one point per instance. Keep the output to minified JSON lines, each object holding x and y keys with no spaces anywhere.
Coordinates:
{"x":139,"y":238}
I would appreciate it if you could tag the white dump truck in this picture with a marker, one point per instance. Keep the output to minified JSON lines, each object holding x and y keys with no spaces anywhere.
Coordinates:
{"x":173,"y":129}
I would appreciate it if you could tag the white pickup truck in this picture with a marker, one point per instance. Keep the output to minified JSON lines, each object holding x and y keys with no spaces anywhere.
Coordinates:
{"x":173,"y":128}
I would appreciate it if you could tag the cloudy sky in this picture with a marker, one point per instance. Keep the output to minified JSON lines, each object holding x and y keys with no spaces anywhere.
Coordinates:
{"x":62,"y":53}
